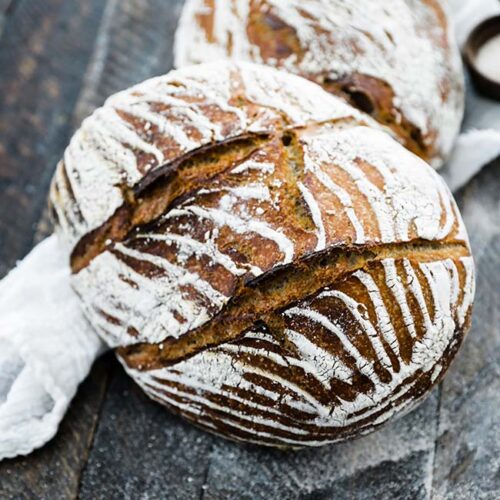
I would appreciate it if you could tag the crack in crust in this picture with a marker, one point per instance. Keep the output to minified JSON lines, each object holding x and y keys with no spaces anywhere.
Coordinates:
{"x":263,"y":239}
{"x":259,"y":299}
{"x":159,"y":190}
{"x":166,"y":186}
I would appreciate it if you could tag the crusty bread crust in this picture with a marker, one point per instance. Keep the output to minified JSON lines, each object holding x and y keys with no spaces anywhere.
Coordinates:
{"x":346,"y":360}
{"x":393,"y":59}
{"x":147,"y":129}
{"x":282,"y":273}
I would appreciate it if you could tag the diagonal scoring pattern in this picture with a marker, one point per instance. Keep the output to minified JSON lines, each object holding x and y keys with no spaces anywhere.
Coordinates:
{"x":293,"y":290}
{"x":340,"y":372}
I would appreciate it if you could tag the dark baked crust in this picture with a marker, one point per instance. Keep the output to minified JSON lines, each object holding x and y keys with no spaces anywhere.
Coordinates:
{"x":323,"y":369}
{"x":292,"y":262}
{"x":147,"y":134}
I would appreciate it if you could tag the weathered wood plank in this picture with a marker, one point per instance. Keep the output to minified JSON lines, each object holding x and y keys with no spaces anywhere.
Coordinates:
{"x":6,"y":7}
{"x":134,"y":43}
{"x":44,"y":51}
{"x":5,"y":4}
{"x":142,"y":451}
{"x":467,"y":463}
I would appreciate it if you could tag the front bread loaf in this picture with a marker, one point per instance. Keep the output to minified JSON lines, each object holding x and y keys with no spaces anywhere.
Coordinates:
{"x":394,"y":59}
{"x":267,"y":261}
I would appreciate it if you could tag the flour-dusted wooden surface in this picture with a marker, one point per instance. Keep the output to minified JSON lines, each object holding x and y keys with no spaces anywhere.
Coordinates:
{"x":58,"y":60}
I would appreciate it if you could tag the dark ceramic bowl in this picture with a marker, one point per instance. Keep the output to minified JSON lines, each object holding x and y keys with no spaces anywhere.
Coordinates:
{"x":478,"y":37}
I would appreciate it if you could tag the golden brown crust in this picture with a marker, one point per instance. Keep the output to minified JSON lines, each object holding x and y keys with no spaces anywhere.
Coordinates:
{"x":295,"y":279}
{"x":258,"y":300}
{"x":395,"y":60}
{"x":323,"y":369}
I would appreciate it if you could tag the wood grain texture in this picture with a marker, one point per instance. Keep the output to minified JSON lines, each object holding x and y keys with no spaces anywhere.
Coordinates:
{"x":467,"y":463}
{"x":142,"y":451}
{"x":5,"y":7}
{"x":44,"y":50}
{"x":134,"y":43}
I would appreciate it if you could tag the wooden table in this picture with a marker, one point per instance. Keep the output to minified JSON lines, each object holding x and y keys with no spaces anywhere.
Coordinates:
{"x":58,"y":60}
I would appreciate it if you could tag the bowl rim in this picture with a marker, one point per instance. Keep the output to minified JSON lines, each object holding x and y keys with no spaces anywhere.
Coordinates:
{"x":482,"y":33}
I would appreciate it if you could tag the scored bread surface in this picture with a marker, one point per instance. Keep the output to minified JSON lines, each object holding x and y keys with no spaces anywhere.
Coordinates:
{"x":147,"y":126}
{"x":344,"y":368}
{"x":279,"y":269}
{"x":393,"y":58}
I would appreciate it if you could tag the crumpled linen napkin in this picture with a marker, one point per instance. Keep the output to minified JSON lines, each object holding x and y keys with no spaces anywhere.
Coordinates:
{"x":46,"y":349}
{"x":46,"y":345}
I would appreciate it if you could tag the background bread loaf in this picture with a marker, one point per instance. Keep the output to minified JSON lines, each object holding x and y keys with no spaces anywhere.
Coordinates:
{"x":266,"y":260}
{"x":394,"y":59}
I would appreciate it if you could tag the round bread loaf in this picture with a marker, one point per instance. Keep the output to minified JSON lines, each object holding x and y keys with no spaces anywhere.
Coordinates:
{"x":267,"y":262}
{"x":394,"y":59}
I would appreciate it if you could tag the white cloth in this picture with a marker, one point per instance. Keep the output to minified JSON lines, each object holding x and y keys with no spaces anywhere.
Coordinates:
{"x":46,"y":345}
{"x":46,"y":349}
